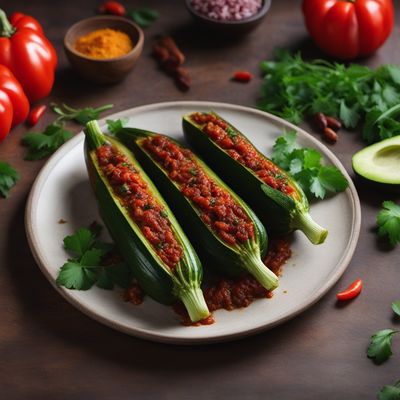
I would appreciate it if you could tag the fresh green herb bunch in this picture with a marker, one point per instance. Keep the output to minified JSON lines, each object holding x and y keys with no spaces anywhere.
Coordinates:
{"x":294,"y":88}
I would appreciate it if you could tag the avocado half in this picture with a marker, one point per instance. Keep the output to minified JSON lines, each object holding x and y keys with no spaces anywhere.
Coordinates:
{"x":380,"y":162}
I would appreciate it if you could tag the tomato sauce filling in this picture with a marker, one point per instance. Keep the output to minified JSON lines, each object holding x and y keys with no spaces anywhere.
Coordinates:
{"x":230,"y":294}
{"x":241,"y":150}
{"x":134,"y":194}
{"x":217,"y":208}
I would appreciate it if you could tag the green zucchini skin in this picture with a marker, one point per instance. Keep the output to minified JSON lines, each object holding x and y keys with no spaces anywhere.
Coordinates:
{"x":157,"y":279}
{"x":207,"y":244}
{"x":280,"y":213}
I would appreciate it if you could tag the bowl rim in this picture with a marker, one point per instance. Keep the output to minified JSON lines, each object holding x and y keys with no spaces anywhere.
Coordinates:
{"x":68,"y":45}
{"x":266,"y":4}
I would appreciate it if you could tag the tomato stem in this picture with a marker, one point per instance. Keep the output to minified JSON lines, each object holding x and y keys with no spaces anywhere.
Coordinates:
{"x":6,"y":29}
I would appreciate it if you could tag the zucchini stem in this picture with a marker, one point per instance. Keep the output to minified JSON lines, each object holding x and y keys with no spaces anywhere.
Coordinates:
{"x":315,"y":233}
{"x":94,"y":135}
{"x":195,"y":304}
{"x":254,"y":265}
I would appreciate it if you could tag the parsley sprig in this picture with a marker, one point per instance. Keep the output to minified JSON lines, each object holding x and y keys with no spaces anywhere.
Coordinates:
{"x":388,"y":221}
{"x":294,"y":88}
{"x":80,"y":115}
{"x":380,"y":348}
{"x":304,"y":164}
{"x":390,"y":392}
{"x":85,"y":269}
{"x":8,"y":178}
{"x":43,"y":144}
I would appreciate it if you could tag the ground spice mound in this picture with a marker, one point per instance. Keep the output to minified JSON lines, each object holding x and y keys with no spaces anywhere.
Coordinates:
{"x":104,"y":44}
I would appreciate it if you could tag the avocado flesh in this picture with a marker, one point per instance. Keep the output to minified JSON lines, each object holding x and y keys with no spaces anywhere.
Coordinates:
{"x":380,"y":162}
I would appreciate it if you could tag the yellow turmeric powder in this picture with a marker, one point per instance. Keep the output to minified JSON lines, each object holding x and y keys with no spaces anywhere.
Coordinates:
{"x":104,"y":43}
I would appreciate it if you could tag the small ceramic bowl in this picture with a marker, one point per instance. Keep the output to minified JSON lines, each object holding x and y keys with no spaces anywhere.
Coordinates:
{"x":103,"y":70}
{"x":230,"y":28}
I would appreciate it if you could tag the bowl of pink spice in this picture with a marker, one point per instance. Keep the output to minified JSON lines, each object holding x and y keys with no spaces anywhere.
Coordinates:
{"x":228,"y":17}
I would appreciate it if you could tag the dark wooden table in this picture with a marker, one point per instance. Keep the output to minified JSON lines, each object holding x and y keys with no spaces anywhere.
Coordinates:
{"x":49,"y":350}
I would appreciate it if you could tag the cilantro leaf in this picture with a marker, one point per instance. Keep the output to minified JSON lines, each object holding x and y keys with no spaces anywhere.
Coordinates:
{"x":8,"y":178}
{"x":380,"y":348}
{"x":87,"y":268}
{"x":349,"y":116}
{"x":116,"y":125}
{"x":43,"y":144}
{"x":388,"y":221}
{"x":80,"y":242}
{"x":293,"y":88}
{"x":305,"y":166}
{"x":390,"y":392}
{"x":73,"y":275}
{"x":284,"y":145}
{"x":144,"y":17}
{"x":396,"y":307}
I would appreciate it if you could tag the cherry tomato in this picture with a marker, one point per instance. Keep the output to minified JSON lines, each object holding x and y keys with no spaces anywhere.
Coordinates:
{"x":35,"y":114}
{"x":112,"y":7}
{"x":351,"y":292}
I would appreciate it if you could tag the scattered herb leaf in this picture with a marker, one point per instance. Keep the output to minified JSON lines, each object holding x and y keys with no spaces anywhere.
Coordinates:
{"x":396,"y":307}
{"x":42,"y":144}
{"x":380,"y":348}
{"x":388,"y":221}
{"x":80,"y":115}
{"x":144,"y":17}
{"x":8,"y":178}
{"x":304,"y":164}
{"x":390,"y":392}
{"x":115,"y":125}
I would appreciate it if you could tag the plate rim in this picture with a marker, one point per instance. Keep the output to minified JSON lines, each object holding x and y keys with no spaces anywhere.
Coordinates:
{"x":341,"y":266}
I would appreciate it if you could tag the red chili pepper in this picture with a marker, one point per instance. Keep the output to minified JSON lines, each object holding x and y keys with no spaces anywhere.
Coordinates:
{"x":351,"y":292}
{"x":35,"y":114}
{"x":112,"y":7}
{"x":28,"y":54}
{"x":242,"y":76}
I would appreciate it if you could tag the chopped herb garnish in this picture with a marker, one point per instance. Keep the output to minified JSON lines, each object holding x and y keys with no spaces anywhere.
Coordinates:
{"x":193,"y":171}
{"x":163,"y":213}
{"x":160,"y":245}
{"x":212,"y":202}
{"x":148,"y":206}
{"x":124,"y":188}
{"x":8,"y":178}
{"x":231,"y":133}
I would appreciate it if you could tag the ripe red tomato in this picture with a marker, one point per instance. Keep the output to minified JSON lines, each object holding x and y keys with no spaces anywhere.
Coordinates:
{"x":348,"y":29}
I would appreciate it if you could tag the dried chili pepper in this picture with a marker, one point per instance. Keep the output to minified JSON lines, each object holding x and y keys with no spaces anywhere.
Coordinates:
{"x":113,"y":8}
{"x":351,"y":292}
{"x":35,"y":114}
{"x":242,"y":76}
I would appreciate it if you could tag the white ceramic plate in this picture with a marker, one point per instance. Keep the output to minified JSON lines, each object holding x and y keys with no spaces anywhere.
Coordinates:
{"x":62,"y":191}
